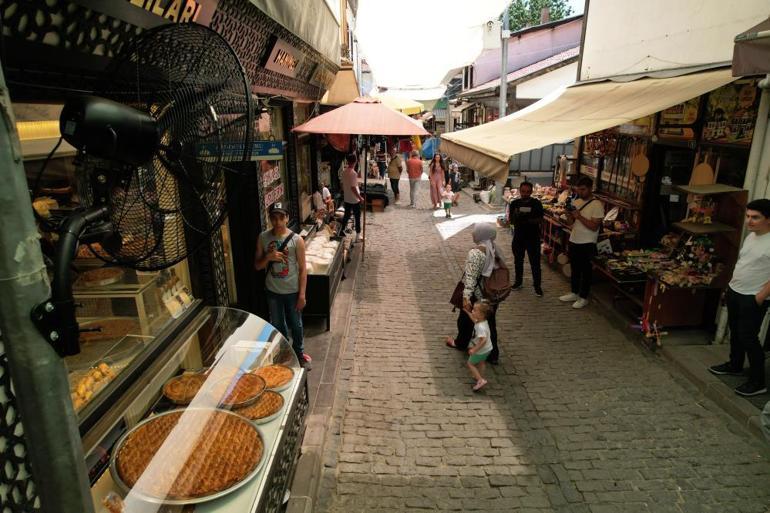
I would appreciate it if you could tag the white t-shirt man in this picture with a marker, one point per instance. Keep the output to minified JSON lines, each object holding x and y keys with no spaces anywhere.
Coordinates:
{"x":591,"y":209}
{"x":752,"y":270}
{"x":350,"y":180}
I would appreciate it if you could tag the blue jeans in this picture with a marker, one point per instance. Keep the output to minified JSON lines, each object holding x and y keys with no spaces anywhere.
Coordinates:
{"x":283,"y":311}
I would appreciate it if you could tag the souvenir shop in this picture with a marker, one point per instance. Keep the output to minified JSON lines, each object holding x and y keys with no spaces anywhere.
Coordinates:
{"x":671,"y":184}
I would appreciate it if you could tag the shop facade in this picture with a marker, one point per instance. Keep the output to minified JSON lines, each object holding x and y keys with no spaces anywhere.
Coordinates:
{"x":148,"y":327}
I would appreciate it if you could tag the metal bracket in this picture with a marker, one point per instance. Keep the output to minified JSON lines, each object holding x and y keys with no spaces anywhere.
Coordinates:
{"x":47,"y":320}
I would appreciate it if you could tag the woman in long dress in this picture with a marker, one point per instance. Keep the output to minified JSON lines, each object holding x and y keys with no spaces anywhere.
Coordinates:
{"x":436,"y":176}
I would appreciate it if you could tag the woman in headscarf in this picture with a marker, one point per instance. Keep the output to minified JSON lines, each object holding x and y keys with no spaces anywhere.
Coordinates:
{"x":437,"y":182}
{"x":480,"y":262}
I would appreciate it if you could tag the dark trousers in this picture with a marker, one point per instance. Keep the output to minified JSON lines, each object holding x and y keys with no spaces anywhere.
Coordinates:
{"x":580,"y":256}
{"x":465,"y":333}
{"x":744,"y":316}
{"x":394,"y":186}
{"x":353,"y":209}
{"x":531,"y":246}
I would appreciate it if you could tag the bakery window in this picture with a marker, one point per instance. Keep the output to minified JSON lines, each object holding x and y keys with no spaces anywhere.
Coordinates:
{"x":209,"y":421}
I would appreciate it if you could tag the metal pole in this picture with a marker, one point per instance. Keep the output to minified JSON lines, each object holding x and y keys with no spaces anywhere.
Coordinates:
{"x":40,"y":381}
{"x":363,"y":210}
{"x":505,"y":34}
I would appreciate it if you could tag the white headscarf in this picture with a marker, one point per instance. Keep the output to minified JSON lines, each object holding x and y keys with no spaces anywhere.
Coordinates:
{"x":484,"y":234}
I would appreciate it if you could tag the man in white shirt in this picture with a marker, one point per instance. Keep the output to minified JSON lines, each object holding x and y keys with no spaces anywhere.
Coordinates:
{"x":586,"y":215}
{"x":352,"y":196}
{"x":746,"y":299}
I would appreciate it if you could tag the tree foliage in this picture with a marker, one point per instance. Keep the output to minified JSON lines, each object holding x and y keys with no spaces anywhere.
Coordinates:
{"x":526,"y":13}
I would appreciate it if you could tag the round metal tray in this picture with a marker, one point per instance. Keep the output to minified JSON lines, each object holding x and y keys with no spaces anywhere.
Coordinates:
{"x":285,"y":385}
{"x":182,"y":502}
{"x":247,"y":402}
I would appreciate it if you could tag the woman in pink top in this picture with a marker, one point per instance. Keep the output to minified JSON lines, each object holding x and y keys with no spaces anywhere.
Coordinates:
{"x":437,"y":182}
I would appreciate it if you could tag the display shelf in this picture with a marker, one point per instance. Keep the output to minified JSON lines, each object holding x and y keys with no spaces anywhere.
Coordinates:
{"x":704,"y":190}
{"x":703,"y":229}
{"x":322,"y":288}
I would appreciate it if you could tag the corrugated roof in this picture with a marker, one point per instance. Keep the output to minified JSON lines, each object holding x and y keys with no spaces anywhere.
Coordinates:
{"x":563,"y":58}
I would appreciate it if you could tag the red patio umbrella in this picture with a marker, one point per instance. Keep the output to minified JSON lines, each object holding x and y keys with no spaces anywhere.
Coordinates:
{"x":363,"y":116}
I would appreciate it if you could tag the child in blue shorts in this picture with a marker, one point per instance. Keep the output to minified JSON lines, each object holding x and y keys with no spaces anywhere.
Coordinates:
{"x":481,"y":344}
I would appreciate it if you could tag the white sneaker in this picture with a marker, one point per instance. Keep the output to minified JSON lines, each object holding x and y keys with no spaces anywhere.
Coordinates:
{"x":568,"y":298}
{"x":580,"y":303}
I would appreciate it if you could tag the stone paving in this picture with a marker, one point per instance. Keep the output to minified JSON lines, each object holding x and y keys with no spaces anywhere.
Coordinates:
{"x":576,"y":418}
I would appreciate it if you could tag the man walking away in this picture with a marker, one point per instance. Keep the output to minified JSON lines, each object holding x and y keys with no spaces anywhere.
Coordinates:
{"x":352,"y":196}
{"x":586,"y":215}
{"x":414,"y":170}
{"x":526,"y":216}
{"x":394,"y":173}
{"x":746,"y":298}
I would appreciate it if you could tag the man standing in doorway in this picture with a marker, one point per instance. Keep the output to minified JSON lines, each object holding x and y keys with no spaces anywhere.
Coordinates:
{"x":746,"y":299}
{"x":394,"y":173}
{"x":414,"y":170}
{"x":526,"y":215}
{"x":586,"y":215}
{"x":351,"y":195}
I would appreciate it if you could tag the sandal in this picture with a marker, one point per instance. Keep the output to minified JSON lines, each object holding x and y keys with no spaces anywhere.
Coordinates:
{"x":450,"y":342}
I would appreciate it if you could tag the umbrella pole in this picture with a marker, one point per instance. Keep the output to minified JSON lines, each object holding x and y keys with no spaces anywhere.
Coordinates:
{"x":366,"y":175}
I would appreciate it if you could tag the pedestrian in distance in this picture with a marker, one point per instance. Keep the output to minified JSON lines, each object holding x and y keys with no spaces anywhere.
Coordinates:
{"x":747,"y":302}
{"x":394,"y":173}
{"x":585,"y":216}
{"x":436,"y":176}
{"x":479,"y":262}
{"x":481,"y":345}
{"x":414,"y":171}
{"x":525,"y":214}
{"x":281,"y":253}
{"x":447,"y":196}
{"x":352,"y":196}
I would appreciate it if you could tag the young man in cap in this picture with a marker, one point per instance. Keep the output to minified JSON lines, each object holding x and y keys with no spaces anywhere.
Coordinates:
{"x":746,"y":298}
{"x":281,"y":253}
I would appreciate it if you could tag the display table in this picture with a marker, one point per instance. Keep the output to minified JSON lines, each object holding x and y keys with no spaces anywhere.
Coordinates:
{"x":322,"y":288}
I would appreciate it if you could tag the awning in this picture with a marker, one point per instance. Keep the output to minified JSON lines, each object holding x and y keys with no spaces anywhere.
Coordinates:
{"x":572,"y":112}
{"x":404,"y":105}
{"x":344,"y":89}
{"x":751,"y":53}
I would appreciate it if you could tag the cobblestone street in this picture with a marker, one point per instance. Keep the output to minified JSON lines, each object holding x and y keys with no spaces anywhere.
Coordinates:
{"x":575,"y":418}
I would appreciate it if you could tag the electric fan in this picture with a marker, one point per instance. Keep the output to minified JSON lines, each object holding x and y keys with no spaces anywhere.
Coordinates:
{"x":172,"y":111}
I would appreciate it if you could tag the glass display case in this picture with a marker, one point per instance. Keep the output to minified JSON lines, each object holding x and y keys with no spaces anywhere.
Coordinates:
{"x":215,"y":420}
{"x":325,"y":258}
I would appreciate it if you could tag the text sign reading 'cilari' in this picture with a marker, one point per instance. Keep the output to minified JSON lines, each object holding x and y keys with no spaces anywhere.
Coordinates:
{"x":180,"y":11}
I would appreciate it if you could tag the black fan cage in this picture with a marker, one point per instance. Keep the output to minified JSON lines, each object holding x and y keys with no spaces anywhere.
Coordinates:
{"x":191,"y":82}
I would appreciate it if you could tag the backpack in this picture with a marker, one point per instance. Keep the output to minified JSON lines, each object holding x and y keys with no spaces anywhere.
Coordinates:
{"x":497,"y":286}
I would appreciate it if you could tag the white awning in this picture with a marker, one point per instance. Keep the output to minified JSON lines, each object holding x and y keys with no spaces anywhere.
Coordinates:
{"x":569,"y":113}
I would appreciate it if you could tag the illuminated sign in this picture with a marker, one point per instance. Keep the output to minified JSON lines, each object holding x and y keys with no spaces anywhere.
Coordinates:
{"x":180,"y":11}
{"x":283,"y":59}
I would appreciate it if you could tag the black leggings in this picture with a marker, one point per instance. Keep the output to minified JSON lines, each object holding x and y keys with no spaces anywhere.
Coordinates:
{"x":353,"y":209}
{"x":465,"y":333}
{"x":580,"y":258}
{"x":394,"y":185}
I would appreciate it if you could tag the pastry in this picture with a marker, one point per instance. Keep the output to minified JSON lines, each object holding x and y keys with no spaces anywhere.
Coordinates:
{"x":83,"y":390}
{"x":246,"y":388}
{"x":226,"y":449}
{"x":275,"y":375}
{"x":100,"y":277}
{"x":182,"y":389}
{"x":268,"y":404}
{"x":108,"y":329}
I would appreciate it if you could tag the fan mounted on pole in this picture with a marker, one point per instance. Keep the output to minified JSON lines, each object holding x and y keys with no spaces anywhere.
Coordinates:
{"x":172,"y":112}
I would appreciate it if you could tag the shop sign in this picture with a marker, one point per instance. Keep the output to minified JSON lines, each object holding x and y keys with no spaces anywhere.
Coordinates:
{"x":283,"y":58}
{"x":731,"y":113}
{"x":676,"y":121}
{"x":233,"y":151}
{"x":322,"y":77}
{"x":271,"y":176}
{"x":180,"y":11}
{"x":273,"y":195}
